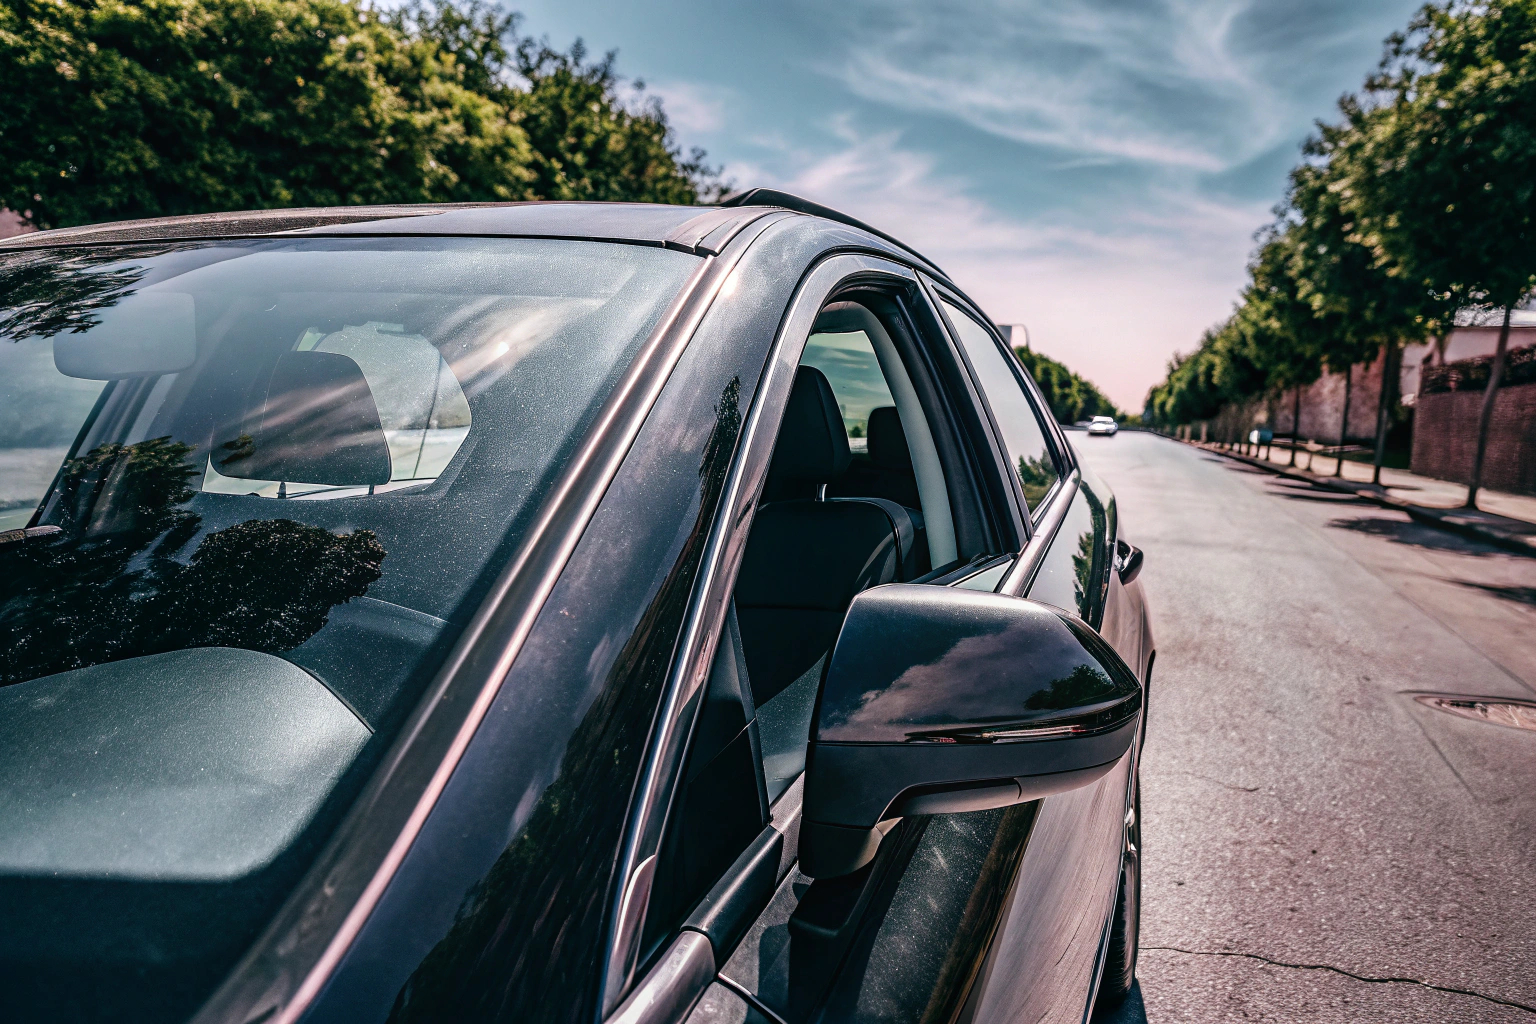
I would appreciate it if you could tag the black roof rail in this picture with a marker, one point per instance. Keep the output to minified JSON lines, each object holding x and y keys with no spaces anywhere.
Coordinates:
{"x":787,"y":201}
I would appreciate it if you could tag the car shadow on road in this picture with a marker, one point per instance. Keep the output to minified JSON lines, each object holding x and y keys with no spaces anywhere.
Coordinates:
{"x":1405,"y":531}
{"x":1132,"y":1011}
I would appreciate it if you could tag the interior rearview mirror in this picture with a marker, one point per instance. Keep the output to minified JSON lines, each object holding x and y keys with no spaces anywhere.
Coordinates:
{"x":144,"y":334}
{"x":939,"y":700}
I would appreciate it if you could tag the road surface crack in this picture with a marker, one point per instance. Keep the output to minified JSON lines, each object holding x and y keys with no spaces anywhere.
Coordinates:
{"x":1348,"y":974}
{"x":1228,"y":785}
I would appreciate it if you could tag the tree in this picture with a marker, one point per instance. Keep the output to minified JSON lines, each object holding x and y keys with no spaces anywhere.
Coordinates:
{"x":1071,"y":398}
{"x":137,"y":108}
{"x":1285,"y":335}
{"x":586,"y":142}
{"x":1193,"y":389}
{"x":1437,"y":163}
{"x":1371,"y":304}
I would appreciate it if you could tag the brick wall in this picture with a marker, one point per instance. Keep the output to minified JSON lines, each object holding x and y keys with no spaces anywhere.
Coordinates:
{"x":1445,"y":438}
{"x":1322,"y":406}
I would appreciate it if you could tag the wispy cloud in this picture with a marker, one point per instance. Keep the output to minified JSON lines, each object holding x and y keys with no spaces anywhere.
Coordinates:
{"x":1167,"y":84}
{"x":1094,"y":169}
{"x":693,"y":108}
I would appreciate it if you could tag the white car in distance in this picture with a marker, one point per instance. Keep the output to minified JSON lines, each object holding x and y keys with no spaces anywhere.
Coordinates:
{"x":1103,"y":426}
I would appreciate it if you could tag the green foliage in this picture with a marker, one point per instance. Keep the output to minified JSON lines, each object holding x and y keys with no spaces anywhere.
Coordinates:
{"x":1434,"y":162}
{"x":1070,"y":397}
{"x":1198,"y":384}
{"x":1036,"y":477}
{"x":137,"y":108}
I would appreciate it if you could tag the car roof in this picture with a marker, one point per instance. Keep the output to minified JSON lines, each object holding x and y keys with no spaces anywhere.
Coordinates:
{"x":703,"y":230}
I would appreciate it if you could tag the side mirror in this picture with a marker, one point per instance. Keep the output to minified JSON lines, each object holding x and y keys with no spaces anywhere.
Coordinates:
{"x":939,"y":700}
{"x":144,"y":334}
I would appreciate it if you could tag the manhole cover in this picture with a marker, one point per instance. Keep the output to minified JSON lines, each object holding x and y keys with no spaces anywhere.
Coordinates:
{"x":1517,"y":714}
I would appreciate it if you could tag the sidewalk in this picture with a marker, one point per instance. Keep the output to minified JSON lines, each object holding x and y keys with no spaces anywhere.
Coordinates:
{"x":1508,"y":520}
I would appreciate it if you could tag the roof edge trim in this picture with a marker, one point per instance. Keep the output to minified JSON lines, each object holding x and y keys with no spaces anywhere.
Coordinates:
{"x":789,"y":201}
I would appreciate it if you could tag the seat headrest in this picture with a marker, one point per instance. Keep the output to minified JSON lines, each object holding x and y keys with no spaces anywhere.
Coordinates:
{"x":887,"y":441}
{"x":317,"y":424}
{"x":812,"y":445}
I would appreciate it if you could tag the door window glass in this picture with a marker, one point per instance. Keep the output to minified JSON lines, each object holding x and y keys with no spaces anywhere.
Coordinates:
{"x":1023,"y":436}
{"x":849,"y":362}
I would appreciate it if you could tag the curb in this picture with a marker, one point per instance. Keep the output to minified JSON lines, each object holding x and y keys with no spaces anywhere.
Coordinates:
{"x":1519,"y":537}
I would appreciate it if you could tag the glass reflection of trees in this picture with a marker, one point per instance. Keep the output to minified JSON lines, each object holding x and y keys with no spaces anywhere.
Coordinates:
{"x":1084,"y":685}
{"x":42,"y":294}
{"x":109,"y":584}
{"x":1036,"y":476}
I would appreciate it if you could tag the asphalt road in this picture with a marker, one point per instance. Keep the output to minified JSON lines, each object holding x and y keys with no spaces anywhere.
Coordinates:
{"x":1319,"y":846}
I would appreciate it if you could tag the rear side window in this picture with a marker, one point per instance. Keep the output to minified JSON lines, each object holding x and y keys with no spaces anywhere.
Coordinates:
{"x":849,"y":362}
{"x":1022,"y":433}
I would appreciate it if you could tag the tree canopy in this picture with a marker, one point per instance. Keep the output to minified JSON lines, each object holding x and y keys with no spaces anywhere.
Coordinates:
{"x":118,"y":109}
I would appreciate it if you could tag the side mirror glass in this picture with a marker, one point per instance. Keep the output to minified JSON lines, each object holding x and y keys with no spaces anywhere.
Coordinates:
{"x":144,"y":334}
{"x":939,"y":700}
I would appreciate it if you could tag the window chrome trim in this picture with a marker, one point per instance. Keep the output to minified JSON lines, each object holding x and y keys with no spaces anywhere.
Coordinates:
{"x":1056,"y":438}
{"x":717,"y":574}
{"x":1017,"y":581}
{"x":673,"y":985}
{"x":285,"y":969}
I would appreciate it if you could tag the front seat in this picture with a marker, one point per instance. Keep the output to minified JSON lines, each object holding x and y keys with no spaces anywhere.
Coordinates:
{"x":807,"y":556}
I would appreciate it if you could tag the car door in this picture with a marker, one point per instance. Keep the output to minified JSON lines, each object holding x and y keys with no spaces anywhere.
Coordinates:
{"x":1059,"y":910}
{"x":905,"y":939}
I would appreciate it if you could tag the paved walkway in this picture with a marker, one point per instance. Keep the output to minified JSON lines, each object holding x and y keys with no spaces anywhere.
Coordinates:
{"x":1505,"y":519}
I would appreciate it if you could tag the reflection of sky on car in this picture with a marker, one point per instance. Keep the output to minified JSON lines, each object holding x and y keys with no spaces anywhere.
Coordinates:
{"x":849,"y":362}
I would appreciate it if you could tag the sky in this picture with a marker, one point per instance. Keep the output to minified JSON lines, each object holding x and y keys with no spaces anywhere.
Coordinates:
{"x":1092,"y":169}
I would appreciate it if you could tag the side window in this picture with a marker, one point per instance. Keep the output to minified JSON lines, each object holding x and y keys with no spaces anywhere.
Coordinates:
{"x":1023,"y":435}
{"x":848,"y":360}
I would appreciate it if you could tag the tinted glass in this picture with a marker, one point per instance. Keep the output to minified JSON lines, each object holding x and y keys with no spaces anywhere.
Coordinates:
{"x":1022,"y":432}
{"x":253,"y":490}
{"x":849,"y":362}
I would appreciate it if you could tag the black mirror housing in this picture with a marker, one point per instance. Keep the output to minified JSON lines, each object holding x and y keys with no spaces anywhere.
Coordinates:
{"x":939,"y":700}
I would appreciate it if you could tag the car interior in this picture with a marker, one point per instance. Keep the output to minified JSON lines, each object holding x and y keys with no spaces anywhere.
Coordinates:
{"x":868,"y":484}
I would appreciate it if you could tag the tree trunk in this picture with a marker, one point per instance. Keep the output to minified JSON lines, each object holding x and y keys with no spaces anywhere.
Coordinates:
{"x":1295,"y":424}
{"x":1389,"y":359}
{"x":1338,"y":462}
{"x":1485,"y":417}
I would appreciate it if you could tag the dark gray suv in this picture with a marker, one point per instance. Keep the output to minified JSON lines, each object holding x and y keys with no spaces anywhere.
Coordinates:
{"x":549,"y":612}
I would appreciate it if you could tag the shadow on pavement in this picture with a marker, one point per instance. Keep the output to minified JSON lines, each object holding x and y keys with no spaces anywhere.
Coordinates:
{"x":1520,"y":595}
{"x":1234,"y":465}
{"x":1402,"y":531}
{"x":1308,"y":493}
{"x":1132,"y":1011}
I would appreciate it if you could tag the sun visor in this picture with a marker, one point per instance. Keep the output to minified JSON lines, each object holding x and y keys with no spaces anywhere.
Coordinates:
{"x":144,"y":334}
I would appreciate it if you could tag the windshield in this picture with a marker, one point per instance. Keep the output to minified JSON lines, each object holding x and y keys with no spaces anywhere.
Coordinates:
{"x":250,"y":491}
